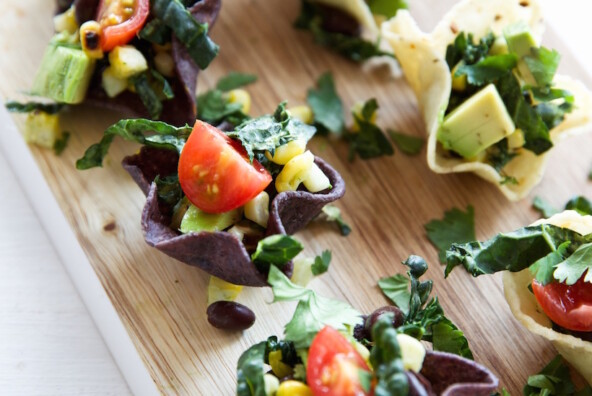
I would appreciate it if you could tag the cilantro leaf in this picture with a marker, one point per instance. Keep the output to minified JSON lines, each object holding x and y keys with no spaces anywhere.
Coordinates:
{"x":313,"y":312}
{"x":334,"y":214}
{"x":214,"y":107}
{"x":387,"y":8}
{"x":150,"y":133}
{"x":488,"y":69}
{"x":543,"y":268}
{"x":268,"y":132}
{"x":575,"y":266}
{"x":464,"y":48}
{"x":386,"y":359}
{"x":369,"y":141}
{"x":408,"y":144}
{"x":326,"y":104}
{"x":49,"y":108}
{"x":543,"y":64}
{"x":456,"y":227}
{"x":543,"y":207}
{"x":60,"y":144}
{"x":580,"y":204}
{"x":250,"y":369}
{"x":554,"y":379}
{"x":275,"y":250}
{"x":321,"y":263}
{"x":396,"y":289}
{"x":235,"y":80}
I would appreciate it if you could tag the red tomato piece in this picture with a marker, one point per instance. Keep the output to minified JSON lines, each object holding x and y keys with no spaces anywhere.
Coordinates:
{"x":568,"y":306}
{"x":120,"y":22}
{"x":215,"y":172}
{"x":334,"y":365}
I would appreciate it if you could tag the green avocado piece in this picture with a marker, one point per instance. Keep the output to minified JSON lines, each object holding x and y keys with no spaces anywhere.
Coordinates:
{"x":195,"y":220}
{"x":64,"y":74}
{"x":478,"y":123}
{"x":520,"y":41}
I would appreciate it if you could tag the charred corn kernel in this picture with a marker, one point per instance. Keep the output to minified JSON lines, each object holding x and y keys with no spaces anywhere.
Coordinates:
{"x":164,"y":63}
{"x":293,"y":388}
{"x":65,"y":22}
{"x":357,"y":113}
{"x":112,"y":85}
{"x":257,"y":209}
{"x":220,"y":290}
{"x":42,"y":129}
{"x":286,"y":152}
{"x":459,"y":83}
{"x":294,"y":171}
{"x":302,"y":271}
{"x":303,"y":113}
{"x":271,"y":384}
{"x":412,"y":351}
{"x":279,"y":368}
{"x":90,"y":35}
{"x":242,"y":97}
{"x":516,"y":139}
{"x":315,"y":180}
{"x":126,"y":61}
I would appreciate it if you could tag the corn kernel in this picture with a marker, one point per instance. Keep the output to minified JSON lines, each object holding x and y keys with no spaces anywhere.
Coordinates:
{"x":459,"y":83}
{"x":516,"y":139}
{"x":271,"y":384}
{"x":113,"y":85}
{"x":279,"y":368}
{"x":242,"y":97}
{"x":292,"y":175}
{"x":303,"y":113}
{"x":357,"y":112}
{"x":65,"y":22}
{"x":412,"y":351}
{"x":220,"y":290}
{"x":315,"y":180}
{"x":286,"y":152}
{"x":90,"y":33}
{"x":127,"y":61}
{"x":293,"y":388}
{"x":257,"y":209}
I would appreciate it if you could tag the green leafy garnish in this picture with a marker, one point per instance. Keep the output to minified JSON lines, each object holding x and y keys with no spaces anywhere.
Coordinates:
{"x":275,"y":250}
{"x":369,"y":141}
{"x":396,"y":289}
{"x":60,"y":144}
{"x":543,"y":207}
{"x":326,"y":105}
{"x":235,"y":80}
{"x":408,"y":144}
{"x":580,"y":204}
{"x":169,"y":190}
{"x":334,"y":214}
{"x":352,"y":47}
{"x":250,"y":369}
{"x":49,"y":108}
{"x":268,"y":132}
{"x":543,"y":64}
{"x":574,"y":266}
{"x":387,"y":8}
{"x":156,"y":32}
{"x":192,"y":34}
{"x":554,"y":379}
{"x":150,"y":133}
{"x":214,"y":106}
{"x":147,"y":95}
{"x":456,"y":227}
{"x":313,"y":312}
{"x":543,"y":268}
{"x":488,"y":69}
{"x":464,"y":48}
{"x":321,"y":263}
{"x":386,"y":359}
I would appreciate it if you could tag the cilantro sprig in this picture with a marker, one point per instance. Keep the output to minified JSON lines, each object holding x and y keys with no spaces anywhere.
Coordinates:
{"x":456,"y":227}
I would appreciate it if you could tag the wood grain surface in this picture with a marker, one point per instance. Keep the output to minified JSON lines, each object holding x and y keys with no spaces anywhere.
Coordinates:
{"x":162,"y":302}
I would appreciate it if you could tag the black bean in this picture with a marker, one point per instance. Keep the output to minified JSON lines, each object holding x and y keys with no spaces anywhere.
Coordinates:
{"x":372,"y":318}
{"x":230,"y":315}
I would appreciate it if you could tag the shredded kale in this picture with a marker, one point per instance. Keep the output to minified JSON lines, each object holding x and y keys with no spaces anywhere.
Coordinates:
{"x":456,"y":227}
{"x":334,"y":214}
{"x":408,"y":144}
{"x":148,"y":92}
{"x":543,"y":207}
{"x":369,"y":141}
{"x":150,"y":133}
{"x":192,"y":34}
{"x":580,"y":204}
{"x":250,"y":369}
{"x":352,"y":47}
{"x":326,"y":105}
{"x":321,"y":263}
{"x":169,"y":189}
{"x":157,"y":32}
{"x":235,"y":80}
{"x":215,"y":107}
{"x":275,"y":250}
{"x":60,"y":144}
{"x":49,"y":108}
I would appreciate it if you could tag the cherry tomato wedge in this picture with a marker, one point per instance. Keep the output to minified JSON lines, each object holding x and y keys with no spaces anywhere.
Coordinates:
{"x":568,"y":306}
{"x":215,"y":173}
{"x":120,"y":20}
{"x":333,"y":366}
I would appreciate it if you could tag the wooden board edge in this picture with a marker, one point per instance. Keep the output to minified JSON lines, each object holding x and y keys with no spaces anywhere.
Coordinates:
{"x":73,"y":258}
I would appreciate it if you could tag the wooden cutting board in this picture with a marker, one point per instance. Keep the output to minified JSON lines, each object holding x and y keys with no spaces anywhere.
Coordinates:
{"x":162,"y":302}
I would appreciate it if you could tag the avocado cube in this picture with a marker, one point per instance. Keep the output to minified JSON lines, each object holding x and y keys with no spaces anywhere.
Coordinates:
{"x":478,"y":123}
{"x":520,"y":41}
{"x":64,"y":74}
{"x":196,"y":220}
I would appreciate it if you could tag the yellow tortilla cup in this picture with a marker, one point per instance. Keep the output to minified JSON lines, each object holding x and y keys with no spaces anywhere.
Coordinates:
{"x":526,"y":309}
{"x":422,"y":58}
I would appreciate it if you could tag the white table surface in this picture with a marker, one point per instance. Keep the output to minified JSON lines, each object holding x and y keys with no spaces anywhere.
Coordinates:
{"x":48,"y":342}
